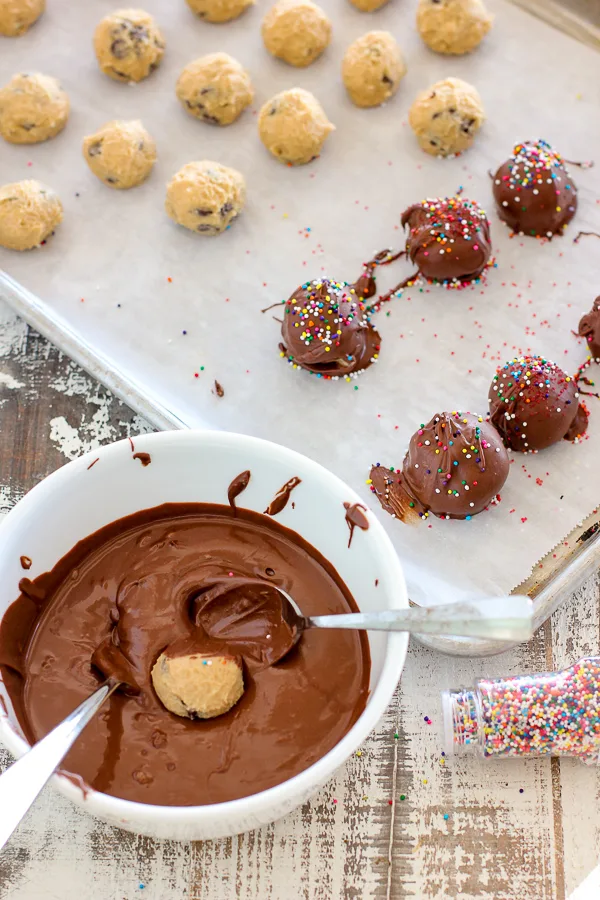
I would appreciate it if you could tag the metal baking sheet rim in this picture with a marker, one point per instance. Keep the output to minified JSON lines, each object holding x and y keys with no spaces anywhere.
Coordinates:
{"x":547,"y":594}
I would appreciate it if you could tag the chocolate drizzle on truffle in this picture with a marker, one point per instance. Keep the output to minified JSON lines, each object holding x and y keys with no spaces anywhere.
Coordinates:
{"x":239,"y":484}
{"x":454,"y":467}
{"x":281,"y":498}
{"x":355,"y":518}
{"x":448,"y":240}
{"x":534,"y":404}
{"x":327,"y":330}
{"x":534,"y":193}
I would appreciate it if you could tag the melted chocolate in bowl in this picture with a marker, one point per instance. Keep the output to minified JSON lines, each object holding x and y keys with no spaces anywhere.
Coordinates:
{"x":135,"y":584}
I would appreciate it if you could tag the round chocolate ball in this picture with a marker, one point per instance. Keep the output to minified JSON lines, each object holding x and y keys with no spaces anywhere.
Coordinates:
{"x":327,"y":330}
{"x":448,"y":239}
{"x":454,"y":467}
{"x":589,"y":328}
{"x":534,"y":404}
{"x":534,"y":193}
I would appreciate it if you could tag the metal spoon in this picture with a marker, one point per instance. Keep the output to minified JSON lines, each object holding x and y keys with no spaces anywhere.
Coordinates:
{"x":23,"y":781}
{"x":256,"y":607}
{"x":508,"y":618}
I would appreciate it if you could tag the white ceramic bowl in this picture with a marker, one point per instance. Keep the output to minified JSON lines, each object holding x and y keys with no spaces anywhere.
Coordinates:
{"x":198,"y":466}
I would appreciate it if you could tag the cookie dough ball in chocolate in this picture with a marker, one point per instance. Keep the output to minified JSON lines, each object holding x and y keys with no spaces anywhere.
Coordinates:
{"x":368,"y":5}
{"x":534,"y":404}
{"x":296,"y":31}
{"x":219,"y":10}
{"x":454,"y":467}
{"x":129,"y":45}
{"x":205,"y":197}
{"x":373,"y":68}
{"x":215,"y":89}
{"x":197,"y":686}
{"x":29,"y":213}
{"x":17,"y":16}
{"x":326,"y":330}
{"x":446,"y":117}
{"x":293,"y":126}
{"x":534,"y":193}
{"x":453,"y":26}
{"x":448,"y":239}
{"x":121,"y":154}
{"x":589,"y":328}
{"x":33,"y":108}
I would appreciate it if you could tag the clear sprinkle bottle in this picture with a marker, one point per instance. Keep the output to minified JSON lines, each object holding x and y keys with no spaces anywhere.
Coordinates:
{"x":549,"y":714}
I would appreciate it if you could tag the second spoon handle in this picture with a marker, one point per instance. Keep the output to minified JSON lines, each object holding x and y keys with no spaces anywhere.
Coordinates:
{"x":507,"y":618}
{"x":23,"y":781}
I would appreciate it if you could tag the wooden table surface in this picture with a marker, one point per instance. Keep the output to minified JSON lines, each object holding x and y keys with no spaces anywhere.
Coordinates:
{"x":398,"y":821}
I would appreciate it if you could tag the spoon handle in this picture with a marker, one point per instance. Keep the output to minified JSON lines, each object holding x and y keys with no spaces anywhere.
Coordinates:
{"x":23,"y":781}
{"x":508,"y":618}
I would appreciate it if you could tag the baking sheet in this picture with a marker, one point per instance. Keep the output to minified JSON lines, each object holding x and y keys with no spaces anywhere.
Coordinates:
{"x":130,"y":282}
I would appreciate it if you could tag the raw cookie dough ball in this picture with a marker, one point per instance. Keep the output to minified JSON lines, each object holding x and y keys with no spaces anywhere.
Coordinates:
{"x":215,"y":88}
{"x":205,"y":196}
{"x":29,"y":213}
{"x":198,"y":686}
{"x":372,"y":68}
{"x":453,"y":26}
{"x":368,"y":5}
{"x":293,"y":126}
{"x":129,"y":45}
{"x":16,"y":16}
{"x":446,"y":117}
{"x":296,"y":31}
{"x":121,"y":154}
{"x":33,"y":108}
{"x":219,"y":10}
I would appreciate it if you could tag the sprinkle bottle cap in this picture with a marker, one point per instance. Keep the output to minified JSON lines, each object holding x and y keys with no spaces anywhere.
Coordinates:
{"x":462,"y":721}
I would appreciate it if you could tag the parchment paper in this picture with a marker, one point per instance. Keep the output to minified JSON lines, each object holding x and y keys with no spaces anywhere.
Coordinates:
{"x":131,"y":282}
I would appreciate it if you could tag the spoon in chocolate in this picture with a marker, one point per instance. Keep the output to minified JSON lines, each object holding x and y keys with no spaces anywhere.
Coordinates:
{"x":24,"y":780}
{"x":256,"y":609}
{"x":21,"y":783}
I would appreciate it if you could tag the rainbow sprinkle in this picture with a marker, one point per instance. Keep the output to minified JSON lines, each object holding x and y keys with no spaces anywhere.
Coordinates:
{"x":549,"y":714}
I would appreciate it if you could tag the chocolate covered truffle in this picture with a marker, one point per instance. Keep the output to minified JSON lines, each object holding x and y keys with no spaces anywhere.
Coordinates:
{"x":454,"y":467}
{"x":448,"y":240}
{"x":534,"y":404}
{"x":589,"y":328}
{"x":327,"y":330}
{"x":534,"y":192}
